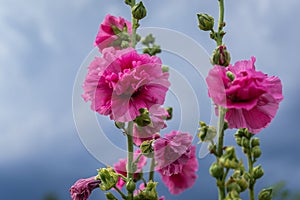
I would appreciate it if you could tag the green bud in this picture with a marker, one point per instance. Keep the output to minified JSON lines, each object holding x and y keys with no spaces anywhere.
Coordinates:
{"x":216,"y":170}
{"x":233,"y":186}
{"x":207,"y":133}
{"x":110,"y":196}
{"x":256,"y":152}
{"x":221,"y":56}
{"x":139,"y":11}
{"x":229,"y":159}
{"x":144,"y":118}
{"x":238,"y":140}
{"x":258,"y":172}
{"x":245,"y":143}
{"x":206,"y":22}
{"x":230,"y":75}
{"x":146,"y":148}
{"x":149,"y":39}
{"x":128,"y":2}
{"x":130,"y":185}
{"x":255,"y":142}
{"x":165,"y":68}
{"x":170,"y":112}
{"x":265,"y":194}
{"x":243,"y":183}
{"x":246,"y":176}
{"x":120,"y":125}
{"x":233,"y":195}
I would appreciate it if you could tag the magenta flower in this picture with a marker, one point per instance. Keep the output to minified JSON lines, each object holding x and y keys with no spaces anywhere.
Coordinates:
{"x":157,"y":115}
{"x":106,"y":35}
{"x":252,"y":97}
{"x":123,"y":81}
{"x":120,"y":167}
{"x":82,"y":188}
{"x":176,"y":161}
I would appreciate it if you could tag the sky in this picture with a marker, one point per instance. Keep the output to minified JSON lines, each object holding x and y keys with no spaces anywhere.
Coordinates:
{"x":42,"y":46}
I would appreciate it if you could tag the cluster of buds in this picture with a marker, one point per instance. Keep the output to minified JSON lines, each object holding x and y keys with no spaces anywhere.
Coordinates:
{"x":248,"y":143}
{"x":151,"y":47}
{"x":108,"y":177}
{"x":237,"y":183}
{"x":149,"y":193}
{"x":229,"y":159}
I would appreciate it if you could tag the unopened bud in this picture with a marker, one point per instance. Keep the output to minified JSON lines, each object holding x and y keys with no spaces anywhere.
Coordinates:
{"x":108,"y":178}
{"x":243,"y":183}
{"x":130,"y":185}
{"x":216,"y":170}
{"x":238,"y":140}
{"x":256,"y":152}
{"x":258,"y":172}
{"x":233,"y":186}
{"x":265,"y":194}
{"x":139,"y":11}
{"x":165,"y":68}
{"x":170,"y":112}
{"x":230,"y":75}
{"x":206,"y":22}
{"x":146,"y":148}
{"x":221,"y":56}
{"x":255,"y":142}
{"x":245,"y":143}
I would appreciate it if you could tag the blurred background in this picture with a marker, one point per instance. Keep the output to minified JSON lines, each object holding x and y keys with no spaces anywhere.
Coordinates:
{"x":42,"y":45}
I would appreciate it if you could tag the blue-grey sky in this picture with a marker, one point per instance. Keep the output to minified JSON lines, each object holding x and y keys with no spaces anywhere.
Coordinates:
{"x":42,"y":44}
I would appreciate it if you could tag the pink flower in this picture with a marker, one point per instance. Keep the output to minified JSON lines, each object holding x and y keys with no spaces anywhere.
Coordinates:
{"x":106,"y":35}
{"x":82,"y":188}
{"x":176,"y":161}
{"x":123,"y":81}
{"x":120,"y":167}
{"x":252,"y":98}
{"x":157,"y":115}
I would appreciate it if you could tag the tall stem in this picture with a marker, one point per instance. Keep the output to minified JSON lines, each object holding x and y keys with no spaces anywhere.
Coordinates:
{"x":221,"y":22}
{"x":250,"y":170}
{"x":135,"y":25}
{"x":129,"y":155}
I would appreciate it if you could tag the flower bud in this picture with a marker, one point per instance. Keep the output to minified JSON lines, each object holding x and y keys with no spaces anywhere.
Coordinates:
{"x":233,"y":195}
{"x":246,"y":176}
{"x":146,"y":148}
{"x":256,"y":152}
{"x":221,"y":56}
{"x":110,"y":196}
{"x":130,"y":185}
{"x":265,"y":194}
{"x":165,"y":68}
{"x":149,"y":39}
{"x":245,"y":143}
{"x":143,"y":119}
{"x":230,"y":75}
{"x":255,"y":142}
{"x":206,"y":22}
{"x":216,"y":170}
{"x":233,"y":186}
{"x":258,"y":172}
{"x":128,"y":2}
{"x":207,"y":133}
{"x":238,"y":139}
{"x":139,"y":11}
{"x":243,"y":183}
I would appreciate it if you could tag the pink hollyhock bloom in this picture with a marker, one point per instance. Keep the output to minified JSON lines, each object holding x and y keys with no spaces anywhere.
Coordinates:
{"x":123,"y":81}
{"x":106,"y":35}
{"x":82,"y":188}
{"x":252,"y":97}
{"x":176,"y":161}
{"x":120,"y":167}
{"x":157,"y":115}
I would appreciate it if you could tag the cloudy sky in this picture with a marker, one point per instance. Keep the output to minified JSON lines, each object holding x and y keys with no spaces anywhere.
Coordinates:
{"x":42,"y":45}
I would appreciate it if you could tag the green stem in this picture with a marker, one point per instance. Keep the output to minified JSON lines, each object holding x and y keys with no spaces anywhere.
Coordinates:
{"x":135,"y":25}
{"x":151,"y":174}
{"x":250,"y":170}
{"x":221,"y":184}
{"x":129,"y":155}
{"x":120,"y":192}
{"x":220,"y":23}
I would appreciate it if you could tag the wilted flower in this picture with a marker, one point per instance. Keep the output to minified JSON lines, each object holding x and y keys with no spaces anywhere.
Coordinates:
{"x":252,"y":97}
{"x":123,"y":81}
{"x":82,"y":188}
{"x":176,"y":161}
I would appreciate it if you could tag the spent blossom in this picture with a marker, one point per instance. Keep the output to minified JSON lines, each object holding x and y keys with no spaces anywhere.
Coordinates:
{"x":82,"y":188}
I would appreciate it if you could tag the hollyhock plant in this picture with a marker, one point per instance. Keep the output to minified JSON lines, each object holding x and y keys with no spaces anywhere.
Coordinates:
{"x":251,"y":97}
{"x":142,"y":133}
{"x":120,"y":167}
{"x":82,"y":188}
{"x":176,"y":161}
{"x":108,"y":31}
{"x":123,"y":81}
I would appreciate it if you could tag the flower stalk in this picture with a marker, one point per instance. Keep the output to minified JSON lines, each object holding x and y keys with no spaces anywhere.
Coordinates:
{"x":129,"y":155}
